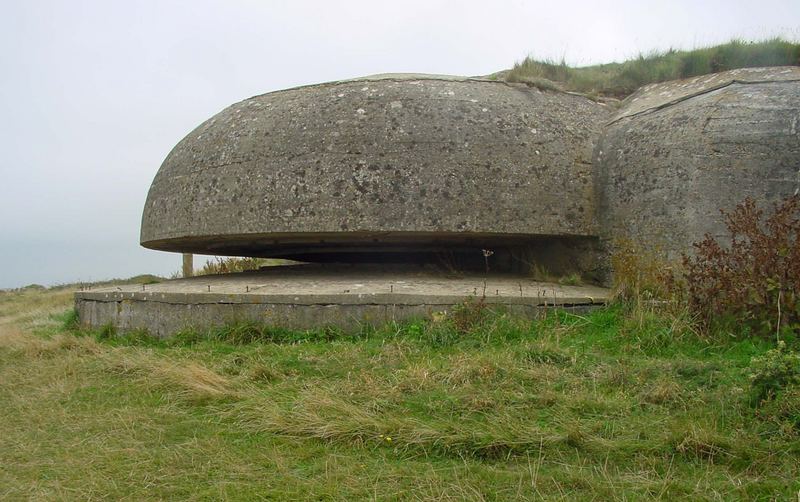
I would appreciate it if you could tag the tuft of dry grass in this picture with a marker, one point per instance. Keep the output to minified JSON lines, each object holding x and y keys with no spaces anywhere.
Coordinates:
{"x":189,"y":379}
{"x":663,"y":392}
{"x":29,"y":345}
{"x":702,"y":443}
{"x":322,"y":415}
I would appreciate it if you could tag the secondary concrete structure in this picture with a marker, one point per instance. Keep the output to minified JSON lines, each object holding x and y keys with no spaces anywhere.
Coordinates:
{"x":466,"y":173}
{"x":678,"y":152}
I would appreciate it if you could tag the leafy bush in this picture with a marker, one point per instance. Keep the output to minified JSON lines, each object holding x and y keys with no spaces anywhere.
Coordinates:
{"x":783,"y":411}
{"x":756,"y":278}
{"x":773,"y":372}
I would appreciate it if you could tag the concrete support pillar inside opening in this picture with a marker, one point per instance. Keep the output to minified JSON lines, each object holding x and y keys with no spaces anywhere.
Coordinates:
{"x":188,"y":264}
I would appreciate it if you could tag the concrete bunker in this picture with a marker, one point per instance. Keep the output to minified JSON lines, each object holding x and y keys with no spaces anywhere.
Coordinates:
{"x":392,"y":168}
{"x":397,"y":187}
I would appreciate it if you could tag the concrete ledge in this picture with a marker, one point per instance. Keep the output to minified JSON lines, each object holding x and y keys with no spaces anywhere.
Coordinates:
{"x":165,"y":319}
{"x":313,"y":297}
{"x":547,"y":298}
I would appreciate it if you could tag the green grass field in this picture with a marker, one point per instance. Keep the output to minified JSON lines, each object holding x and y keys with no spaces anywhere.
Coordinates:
{"x":613,"y":405}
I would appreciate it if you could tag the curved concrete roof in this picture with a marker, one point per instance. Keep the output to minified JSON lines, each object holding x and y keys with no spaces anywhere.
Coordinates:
{"x":656,"y":96}
{"x":388,"y":160}
{"x":681,"y":151}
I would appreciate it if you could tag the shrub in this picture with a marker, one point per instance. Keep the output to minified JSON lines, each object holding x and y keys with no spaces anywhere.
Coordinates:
{"x":641,"y":274}
{"x":783,"y":411}
{"x":755,"y":278}
{"x":773,"y":372}
{"x":469,"y":315}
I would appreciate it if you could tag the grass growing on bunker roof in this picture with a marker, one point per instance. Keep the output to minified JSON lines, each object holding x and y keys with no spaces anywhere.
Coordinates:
{"x":477,"y":405}
{"x":621,"y":79}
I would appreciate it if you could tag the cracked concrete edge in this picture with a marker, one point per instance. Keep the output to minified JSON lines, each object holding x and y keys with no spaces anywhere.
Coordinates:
{"x":445,"y":301}
{"x":692,"y":87}
{"x":655,"y":108}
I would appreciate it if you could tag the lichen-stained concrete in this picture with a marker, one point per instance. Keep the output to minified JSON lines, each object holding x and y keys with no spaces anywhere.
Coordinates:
{"x":311,"y":297}
{"x":382,"y":162}
{"x":652,"y":97}
{"x":678,"y":152}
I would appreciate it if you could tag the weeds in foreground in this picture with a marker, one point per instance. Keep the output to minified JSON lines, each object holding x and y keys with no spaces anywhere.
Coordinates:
{"x":773,"y":373}
{"x":754,"y":279}
{"x":642,"y":277}
{"x":188,"y":379}
{"x":745,"y":284}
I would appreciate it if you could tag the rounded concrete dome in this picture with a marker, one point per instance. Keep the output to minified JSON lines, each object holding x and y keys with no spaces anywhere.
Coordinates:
{"x":678,"y":152}
{"x":380,"y":164}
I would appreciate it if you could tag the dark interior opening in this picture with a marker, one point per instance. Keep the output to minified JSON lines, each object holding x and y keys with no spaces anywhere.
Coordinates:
{"x":546,"y":256}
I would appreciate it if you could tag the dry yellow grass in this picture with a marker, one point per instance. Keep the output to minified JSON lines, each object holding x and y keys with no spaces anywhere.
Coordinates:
{"x":14,"y":339}
{"x":188,"y":379}
{"x":32,"y":308}
{"x":574,"y":408}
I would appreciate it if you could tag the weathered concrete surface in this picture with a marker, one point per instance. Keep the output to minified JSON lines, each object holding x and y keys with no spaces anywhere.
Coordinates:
{"x":445,"y":167}
{"x":678,"y":152}
{"x":655,"y":96}
{"x":307,"y":297}
{"x":386,"y":162}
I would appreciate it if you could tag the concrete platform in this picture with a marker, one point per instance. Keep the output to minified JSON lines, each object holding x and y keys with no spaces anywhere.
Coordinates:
{"x":312,"y":296}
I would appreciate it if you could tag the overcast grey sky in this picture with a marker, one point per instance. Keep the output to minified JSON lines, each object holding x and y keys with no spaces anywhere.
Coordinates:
{"x":94,"y":94}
